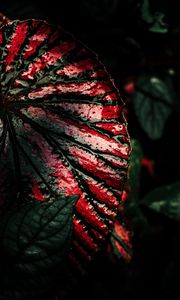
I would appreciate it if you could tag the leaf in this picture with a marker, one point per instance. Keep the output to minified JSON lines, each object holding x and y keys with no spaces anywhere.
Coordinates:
{"x":152,"y":102}
{"x":146,"y":13}
{"x":120,"y":241}
{"x":35,"y":240}
{"x":62,"y":130}
{"x":133,"y":205}
{"x":165,"y":200}
{"x":158,"y":25}
{"x":135,"y":167}
{"x":155,"y":21}
{"x":3,"y":20}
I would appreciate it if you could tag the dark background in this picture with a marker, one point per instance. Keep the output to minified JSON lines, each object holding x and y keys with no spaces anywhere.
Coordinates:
{"x":116,"y":31}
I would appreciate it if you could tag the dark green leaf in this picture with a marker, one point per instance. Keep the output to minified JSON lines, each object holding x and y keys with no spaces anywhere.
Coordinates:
{"x":135,"y":167}
{"x":146,"y":13}
{"x":165,"y":200}
{"x":155,"y":21}
{"x":133,"y":207}
{"x":34,"y":242}
{"x":152,"y":103}
{"x":158,"y":25}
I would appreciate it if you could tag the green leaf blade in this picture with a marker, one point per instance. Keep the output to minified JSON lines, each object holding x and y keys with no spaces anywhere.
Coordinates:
{"x":132,"y":206}
{"x":154,"y":20}
{"x":44,"y":247}
{"x":165,"y":200}
{"x":152,"y":104}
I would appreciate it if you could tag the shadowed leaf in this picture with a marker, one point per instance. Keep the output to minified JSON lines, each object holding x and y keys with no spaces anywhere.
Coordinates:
{"x":155,"y":21}
{"x":165,"y":200}
{"x":152,"y":103}
{"x":35,"y":240}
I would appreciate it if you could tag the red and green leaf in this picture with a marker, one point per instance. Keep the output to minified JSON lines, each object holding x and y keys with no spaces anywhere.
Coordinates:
{"x":62,"y":130}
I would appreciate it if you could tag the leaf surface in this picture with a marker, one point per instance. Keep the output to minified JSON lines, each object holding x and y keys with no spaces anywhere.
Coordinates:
{"x":165,"y":200}
{"x":62,"y":130}
{"x":152,"y":103}
{"x":35,"y":240}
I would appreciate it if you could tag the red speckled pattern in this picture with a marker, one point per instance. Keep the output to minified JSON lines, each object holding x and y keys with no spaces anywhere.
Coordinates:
{"x":62,"y":130}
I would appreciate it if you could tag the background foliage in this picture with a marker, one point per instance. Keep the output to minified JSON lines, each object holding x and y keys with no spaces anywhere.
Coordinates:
{"x":138,"y":42}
